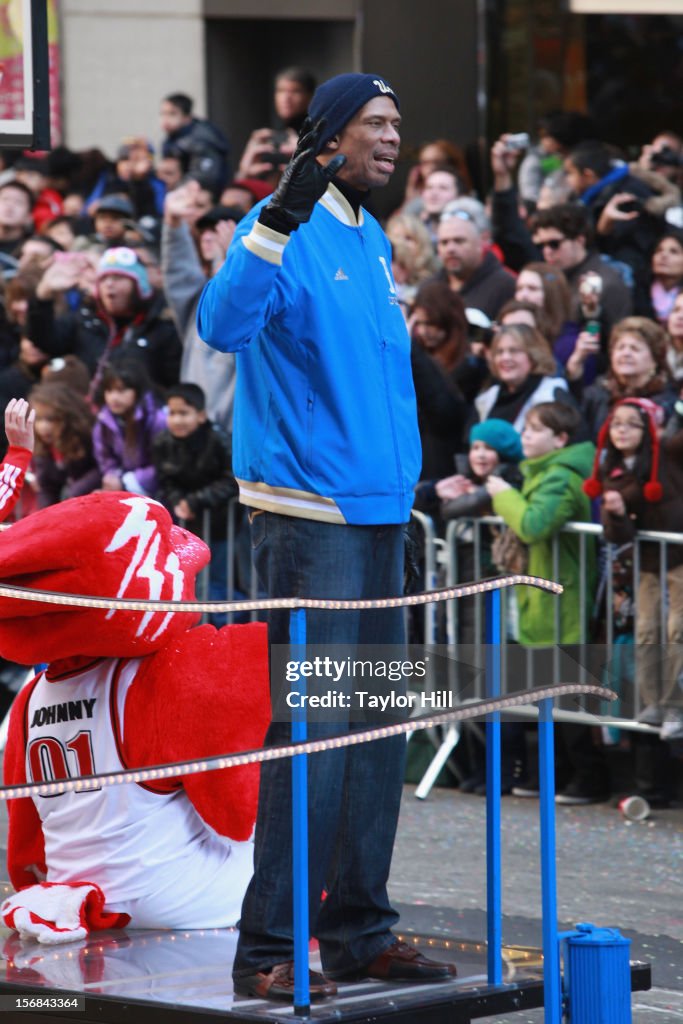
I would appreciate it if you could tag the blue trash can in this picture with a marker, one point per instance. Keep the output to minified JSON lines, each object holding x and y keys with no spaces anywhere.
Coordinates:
{"x":597,"y":975}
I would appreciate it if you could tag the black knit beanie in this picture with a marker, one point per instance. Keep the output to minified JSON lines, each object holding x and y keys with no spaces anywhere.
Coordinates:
{"x":338,"y":99}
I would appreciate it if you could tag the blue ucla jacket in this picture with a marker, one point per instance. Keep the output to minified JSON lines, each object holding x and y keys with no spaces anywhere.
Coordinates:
{"x":325,"y":418}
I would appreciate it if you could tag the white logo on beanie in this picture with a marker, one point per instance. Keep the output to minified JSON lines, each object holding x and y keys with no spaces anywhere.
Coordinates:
{"x":147,"y":562}
{"x":382,"y":86}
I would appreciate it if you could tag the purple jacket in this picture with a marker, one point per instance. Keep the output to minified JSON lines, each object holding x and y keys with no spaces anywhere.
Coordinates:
{"x":133,"y":464}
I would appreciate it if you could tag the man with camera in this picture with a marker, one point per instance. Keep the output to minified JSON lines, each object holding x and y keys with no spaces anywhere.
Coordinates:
{"x":664,"y":155}
{"x":661,"y":165}
{"x":269,"y":150}
{"x":617,"y":202}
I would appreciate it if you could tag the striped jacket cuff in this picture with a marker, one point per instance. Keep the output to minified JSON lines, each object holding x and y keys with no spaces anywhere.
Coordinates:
{"x":269,"y":245}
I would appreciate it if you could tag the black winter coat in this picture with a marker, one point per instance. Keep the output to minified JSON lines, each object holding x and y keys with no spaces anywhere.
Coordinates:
{"x":197,"y":468}
{"x":93,"y":336}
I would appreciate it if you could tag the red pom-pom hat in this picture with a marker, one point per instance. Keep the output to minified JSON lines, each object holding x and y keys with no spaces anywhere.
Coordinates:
{"x":652,"y":490}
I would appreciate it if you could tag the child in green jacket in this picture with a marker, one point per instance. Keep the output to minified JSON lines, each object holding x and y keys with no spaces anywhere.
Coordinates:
{"x":551,"y":496}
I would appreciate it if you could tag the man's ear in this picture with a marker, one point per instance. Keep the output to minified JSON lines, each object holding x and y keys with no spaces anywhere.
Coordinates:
{"x":332,"y":144}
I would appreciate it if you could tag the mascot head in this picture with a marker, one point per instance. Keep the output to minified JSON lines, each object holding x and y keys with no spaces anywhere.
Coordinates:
{"x":111,"y":544}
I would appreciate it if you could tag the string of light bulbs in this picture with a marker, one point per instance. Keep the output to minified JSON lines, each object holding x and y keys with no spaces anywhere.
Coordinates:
{"x":476,"y":709}
{"x":219,"y":762}
{"x":269,"y":604}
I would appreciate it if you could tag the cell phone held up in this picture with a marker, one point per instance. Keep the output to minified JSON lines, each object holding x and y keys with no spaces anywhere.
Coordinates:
{"x":517,"y":142}
{"x":592,"y":327}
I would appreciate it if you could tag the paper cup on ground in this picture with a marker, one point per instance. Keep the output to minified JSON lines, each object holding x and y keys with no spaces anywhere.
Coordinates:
{"x":634,"y":808}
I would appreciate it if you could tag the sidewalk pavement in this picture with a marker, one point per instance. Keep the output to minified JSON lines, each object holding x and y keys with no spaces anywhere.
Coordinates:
{"x":614,"y":873}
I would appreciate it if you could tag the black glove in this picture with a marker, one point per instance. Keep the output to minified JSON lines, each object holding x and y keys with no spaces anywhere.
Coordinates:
{"x":303,"y":182}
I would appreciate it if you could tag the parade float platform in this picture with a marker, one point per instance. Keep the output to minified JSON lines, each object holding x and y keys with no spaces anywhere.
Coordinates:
{"x":172,"y":977}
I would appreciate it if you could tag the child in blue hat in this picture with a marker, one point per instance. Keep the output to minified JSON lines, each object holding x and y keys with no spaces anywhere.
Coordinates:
{"x":495,"y":450}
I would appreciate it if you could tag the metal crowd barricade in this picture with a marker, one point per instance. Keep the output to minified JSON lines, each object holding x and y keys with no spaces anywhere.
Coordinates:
{"x":472,"y":531}
{"x":432,"y":550}
{"x":440,"y":560}
{"x":231,"y":512}
{"x":431,"y":545}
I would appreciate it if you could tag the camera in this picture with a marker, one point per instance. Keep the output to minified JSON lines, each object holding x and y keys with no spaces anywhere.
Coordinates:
{"x":590,"y":284}
{"x":516,"y":143}
{"x":274,"y":156}
{"x":631,"y":206}
{"x":666,"y":157}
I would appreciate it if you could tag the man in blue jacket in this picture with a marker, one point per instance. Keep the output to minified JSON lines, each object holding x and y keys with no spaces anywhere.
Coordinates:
{"x":326,"y":454}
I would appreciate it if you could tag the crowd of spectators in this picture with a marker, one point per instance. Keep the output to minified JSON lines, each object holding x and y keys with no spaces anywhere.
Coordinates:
{"x":563,"y":284}
{"x":565,"y":291}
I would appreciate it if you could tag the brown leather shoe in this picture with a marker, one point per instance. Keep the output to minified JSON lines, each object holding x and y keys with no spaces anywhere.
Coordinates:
{"x":278,"y":983}
{"x":402,"y":962}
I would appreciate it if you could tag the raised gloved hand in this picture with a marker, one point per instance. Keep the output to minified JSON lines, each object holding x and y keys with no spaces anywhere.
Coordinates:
{"x":302,"y":184}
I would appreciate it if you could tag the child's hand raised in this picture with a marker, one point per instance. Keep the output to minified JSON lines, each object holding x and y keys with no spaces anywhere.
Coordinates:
{"x":453,"y":486}
{"x":63,"y":273}
{"x":496,"y":485}
{"x":183,"y":511}
{"x":112,"y":482}
{"x":19,"y":423}
{"x":614,"y":503}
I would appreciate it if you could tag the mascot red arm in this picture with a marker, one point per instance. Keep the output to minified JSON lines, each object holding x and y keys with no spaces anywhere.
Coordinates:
{"x":173,"y":692}
{"x":194,"y":718}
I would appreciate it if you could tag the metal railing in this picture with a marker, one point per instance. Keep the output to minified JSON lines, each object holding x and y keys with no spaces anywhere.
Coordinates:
{"x":471,"y":531}
{"x":442,"y":565}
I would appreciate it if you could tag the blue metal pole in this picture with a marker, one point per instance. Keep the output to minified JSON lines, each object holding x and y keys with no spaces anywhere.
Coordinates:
{"x":302,"y":995}
{"x":552,"y":992}
{"x":494,"y":933}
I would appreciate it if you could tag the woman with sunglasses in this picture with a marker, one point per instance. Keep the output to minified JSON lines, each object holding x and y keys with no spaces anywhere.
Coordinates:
{"x":439,"y":153}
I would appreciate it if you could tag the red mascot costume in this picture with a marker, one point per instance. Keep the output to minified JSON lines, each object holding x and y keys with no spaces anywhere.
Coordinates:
{"x":125,"y":689}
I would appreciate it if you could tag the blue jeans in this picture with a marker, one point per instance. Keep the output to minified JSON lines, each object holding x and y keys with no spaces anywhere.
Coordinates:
{"x":354,"y":794}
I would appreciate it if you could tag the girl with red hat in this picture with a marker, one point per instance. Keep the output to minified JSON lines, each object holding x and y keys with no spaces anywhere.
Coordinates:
{"x":640,"y":477}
